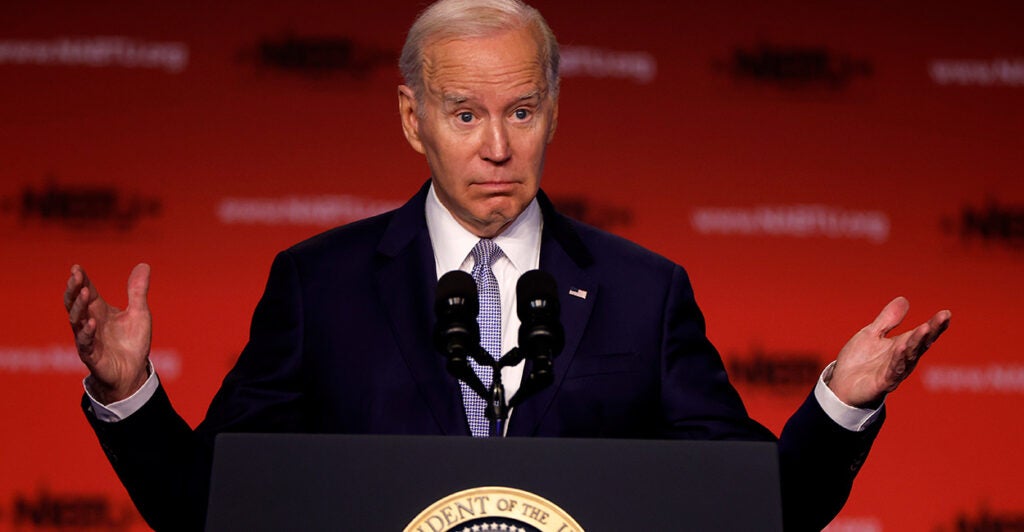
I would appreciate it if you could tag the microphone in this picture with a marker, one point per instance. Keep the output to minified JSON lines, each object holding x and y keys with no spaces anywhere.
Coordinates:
{"x":541,"y":336}
{"x":457,"y":337}
{"x":457,"y":334}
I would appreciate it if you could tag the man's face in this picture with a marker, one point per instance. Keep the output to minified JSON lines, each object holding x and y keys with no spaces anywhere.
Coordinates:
{"x":485,"y":122}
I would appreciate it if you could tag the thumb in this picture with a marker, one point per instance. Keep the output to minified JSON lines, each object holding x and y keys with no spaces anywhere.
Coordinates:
{"x":891,"y":316}
{"x":138,"y":287}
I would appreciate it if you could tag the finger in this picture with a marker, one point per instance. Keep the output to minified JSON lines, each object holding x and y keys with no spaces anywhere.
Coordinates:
{"x":924,"y":335}
{"x":941,"y":320}
{"x":78,"y":308}
{"x":891,"y":316}
{"x":85,"y":338}
{"x":74,"y":285}
{"x":85,"y":277}
{"x":917,"y":342}
{"x":138,"y":287}
{"x":938,"y":325}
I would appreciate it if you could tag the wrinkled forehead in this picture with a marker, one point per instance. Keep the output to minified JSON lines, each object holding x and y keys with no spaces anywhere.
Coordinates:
{"x":506,"y":61}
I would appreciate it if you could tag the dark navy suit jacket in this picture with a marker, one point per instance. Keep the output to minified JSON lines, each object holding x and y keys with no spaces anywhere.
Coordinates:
{"x":341,"y":343}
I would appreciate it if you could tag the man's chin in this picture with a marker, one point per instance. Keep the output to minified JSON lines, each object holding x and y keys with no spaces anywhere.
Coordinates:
{"x":494,"y":222}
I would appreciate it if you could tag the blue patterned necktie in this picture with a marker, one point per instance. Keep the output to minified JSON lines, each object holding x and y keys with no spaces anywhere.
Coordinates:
{"x":484,"y":254}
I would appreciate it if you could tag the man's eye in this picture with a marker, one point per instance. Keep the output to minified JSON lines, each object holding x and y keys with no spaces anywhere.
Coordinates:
{"x":522,"y":114}
{"x":466,"y":117}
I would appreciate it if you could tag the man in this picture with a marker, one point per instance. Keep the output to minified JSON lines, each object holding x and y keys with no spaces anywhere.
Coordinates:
{"x":340,"y":341}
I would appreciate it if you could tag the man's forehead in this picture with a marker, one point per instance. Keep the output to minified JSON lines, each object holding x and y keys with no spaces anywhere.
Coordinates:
{"x":465,"y":59}
{"x":511,"y":56}
{"x":458,"y":80}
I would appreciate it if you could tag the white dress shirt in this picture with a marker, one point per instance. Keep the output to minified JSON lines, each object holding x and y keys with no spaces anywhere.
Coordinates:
{"x":520,"y":246}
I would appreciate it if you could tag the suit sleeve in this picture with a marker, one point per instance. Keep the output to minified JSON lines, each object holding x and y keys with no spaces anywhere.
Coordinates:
{"x":158,"y":459}
{"x":163,"y":463}
{"x":818,"y":461}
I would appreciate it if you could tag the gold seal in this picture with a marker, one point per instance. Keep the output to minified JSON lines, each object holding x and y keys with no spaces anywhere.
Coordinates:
{"x":493,"y":508}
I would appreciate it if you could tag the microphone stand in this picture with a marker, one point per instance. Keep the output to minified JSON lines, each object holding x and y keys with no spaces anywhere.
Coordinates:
{"x":497,"y":408}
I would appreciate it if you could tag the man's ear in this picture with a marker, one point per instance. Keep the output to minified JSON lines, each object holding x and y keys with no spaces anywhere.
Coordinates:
{"x":408,"y":108}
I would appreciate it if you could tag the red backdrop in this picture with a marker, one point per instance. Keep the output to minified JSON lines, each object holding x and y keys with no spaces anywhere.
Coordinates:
{"x":805,"y":161}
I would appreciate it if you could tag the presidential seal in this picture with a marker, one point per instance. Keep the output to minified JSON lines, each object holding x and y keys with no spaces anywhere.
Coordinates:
{"x":493,"y":508}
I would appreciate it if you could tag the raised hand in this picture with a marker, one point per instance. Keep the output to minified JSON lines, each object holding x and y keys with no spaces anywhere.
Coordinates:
{"x":871,"y":365}
{"x":113,"y":343}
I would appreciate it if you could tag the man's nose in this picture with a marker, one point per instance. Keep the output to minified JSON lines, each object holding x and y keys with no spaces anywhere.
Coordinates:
{"x":496,"y":147}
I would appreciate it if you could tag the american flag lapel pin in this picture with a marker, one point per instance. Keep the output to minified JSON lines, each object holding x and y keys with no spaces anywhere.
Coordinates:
{"x":578,"y":292}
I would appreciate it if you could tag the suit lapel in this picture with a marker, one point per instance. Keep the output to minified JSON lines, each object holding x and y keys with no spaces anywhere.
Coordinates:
{"x":406,"y":282}
{"x":566,"y":258}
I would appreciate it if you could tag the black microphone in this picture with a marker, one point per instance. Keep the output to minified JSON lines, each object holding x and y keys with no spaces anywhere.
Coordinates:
{"x":541,"y":335}
{"x":456,"y":334}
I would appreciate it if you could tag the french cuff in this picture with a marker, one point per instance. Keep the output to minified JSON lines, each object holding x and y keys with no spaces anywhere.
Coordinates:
{"x":846,"y":416}
{"x":119,"y":410}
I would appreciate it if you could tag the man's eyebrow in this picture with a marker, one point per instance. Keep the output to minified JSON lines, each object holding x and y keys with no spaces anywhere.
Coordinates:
{"x":455,"y":99}
{"x":530,"y":95}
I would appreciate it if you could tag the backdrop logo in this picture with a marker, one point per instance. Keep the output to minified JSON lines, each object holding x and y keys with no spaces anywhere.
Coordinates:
{"x":586,"y":61}
{"x":782,"y":372}
{"x":798,"y":221}
{"x":64,"y":511}
{"x":319,"y":57}
{"x":81,"y":206}
{"x":998,"y":72}
{"x":991,"y":378}
{"x":124,"y":52}
{"x":63,"y":359}
{"x":604,"y":216}
{"x":324,"y":210}
{"x":795,"y":67}
{"x":992,"y":223}
{"x":986,"y":520}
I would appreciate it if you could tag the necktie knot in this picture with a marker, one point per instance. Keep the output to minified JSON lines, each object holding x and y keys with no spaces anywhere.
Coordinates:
{"x":484,"y":253}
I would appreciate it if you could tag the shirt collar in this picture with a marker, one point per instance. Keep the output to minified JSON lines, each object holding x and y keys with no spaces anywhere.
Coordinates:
{"x":520,"y":241}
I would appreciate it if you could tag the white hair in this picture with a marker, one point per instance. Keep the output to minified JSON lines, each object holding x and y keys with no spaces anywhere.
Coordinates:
{"x":448,"y":19}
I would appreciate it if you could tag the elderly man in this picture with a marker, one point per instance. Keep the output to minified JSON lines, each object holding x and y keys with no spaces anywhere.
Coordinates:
{"x":340,"y":341}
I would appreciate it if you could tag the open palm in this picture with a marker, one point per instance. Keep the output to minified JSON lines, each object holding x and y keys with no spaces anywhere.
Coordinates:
{"x":114,"y":344}
{"x":871,"y":364}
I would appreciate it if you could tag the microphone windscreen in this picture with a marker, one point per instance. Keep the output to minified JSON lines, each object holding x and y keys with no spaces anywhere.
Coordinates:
{"x":457,"y":288}
{"x":536,"y":290}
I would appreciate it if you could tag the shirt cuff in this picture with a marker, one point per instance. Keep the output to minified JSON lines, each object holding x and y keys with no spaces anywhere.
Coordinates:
{"x":846,"y":416}
{"x":119,"y":410}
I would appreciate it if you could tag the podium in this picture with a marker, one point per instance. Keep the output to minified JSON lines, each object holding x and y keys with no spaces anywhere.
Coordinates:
{"x":385,"y":483}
